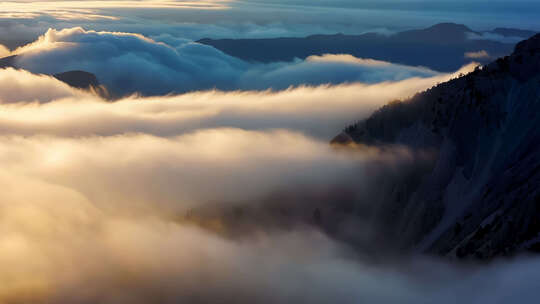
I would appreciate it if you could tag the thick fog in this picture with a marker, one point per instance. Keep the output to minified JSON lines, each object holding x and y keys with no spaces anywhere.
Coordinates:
{"x":203,"y":179}
{"x":97,"y":198}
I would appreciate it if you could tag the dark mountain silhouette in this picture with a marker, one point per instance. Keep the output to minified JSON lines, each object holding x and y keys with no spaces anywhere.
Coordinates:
{"x":76,"y":79}
{"x":13,"y":43}
{"x":509,"y":32}
{"x":440,"y":47}
{"x":481,"y":196}
{"x":7,"y":62}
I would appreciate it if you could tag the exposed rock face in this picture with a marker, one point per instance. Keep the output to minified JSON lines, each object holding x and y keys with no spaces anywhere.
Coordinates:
{"x":482,"y":196}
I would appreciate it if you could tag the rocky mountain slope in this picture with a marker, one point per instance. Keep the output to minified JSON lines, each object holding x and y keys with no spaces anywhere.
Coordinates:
{"x":441,"y":47}
{"x":481,"y":196}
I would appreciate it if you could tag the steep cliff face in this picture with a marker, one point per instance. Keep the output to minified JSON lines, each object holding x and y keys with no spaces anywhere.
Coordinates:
{"x":482,"y":196}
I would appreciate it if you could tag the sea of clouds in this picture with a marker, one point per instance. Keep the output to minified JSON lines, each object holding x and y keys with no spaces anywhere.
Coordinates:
{"x":97,"y":195}
{"x":131,"y":63}
{"x":22,"y":21}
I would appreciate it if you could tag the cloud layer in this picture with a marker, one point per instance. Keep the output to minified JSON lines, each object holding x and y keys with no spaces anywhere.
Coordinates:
{"x":22,"y":86}
{"x":318,"y":111}
{"x":130,"y":63}
{"x":4,"y":51}
{"x":105,"y":220}
{"x":121,"y":202}
{"x":23,"y":21}
{"x":111,"y":184}
{"x":77,"y":252}
{"x":104,"y":223}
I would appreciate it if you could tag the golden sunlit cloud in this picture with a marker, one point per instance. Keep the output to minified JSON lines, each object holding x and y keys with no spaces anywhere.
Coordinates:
{"x":49,"y":40}
{"x":319,"y":111}
{"x":350,"y":59}
{"x":4,"y":51}
{"x":95,"y":10}
{"x":477,"y":55}
{"x":93,"y":218}
{"x":230,"y":192}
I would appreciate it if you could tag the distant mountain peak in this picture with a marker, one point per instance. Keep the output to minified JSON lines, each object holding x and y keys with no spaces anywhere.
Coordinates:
{"x":449,"y":27}
{"x":7,"y":62}
{"x":441,"y":47}
{"x":78,"y":79}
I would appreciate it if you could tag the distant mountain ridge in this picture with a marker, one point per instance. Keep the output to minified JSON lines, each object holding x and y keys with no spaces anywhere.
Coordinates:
{"x":510,"y":32}
{"x":441,"y":47}
{"x":8,"y":62}
{"x":76,"y":79}
{"x":481,"y":197}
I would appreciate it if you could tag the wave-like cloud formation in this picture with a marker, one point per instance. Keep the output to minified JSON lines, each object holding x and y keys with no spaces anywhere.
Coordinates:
{"x":22,"y":86}
{"x":318,"y":111}
{"x":56,"y":246}
{"x":100,"y":219}
{"x":130,"y":63}
{"x":97,"y":199}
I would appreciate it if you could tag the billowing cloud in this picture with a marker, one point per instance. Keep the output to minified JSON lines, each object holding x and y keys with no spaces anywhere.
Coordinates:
{"x":105,"y":218}
{"x":22,"y":86}
{"x":101,"y":224}
{"x":129,"y":63}
{"x":97,"y":198}
{"x":319,"y":111}
{"x":175,"y":173}
{"x":57,"y":246}
{"x":104,"y":202}
{"x":4,"y":51}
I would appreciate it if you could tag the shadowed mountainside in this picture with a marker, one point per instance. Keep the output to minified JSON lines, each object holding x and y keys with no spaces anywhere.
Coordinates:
{"x":76,"y":79}
{"x":481,"y":198}
{"x":7,"y":62}
{"x":441,"y":47}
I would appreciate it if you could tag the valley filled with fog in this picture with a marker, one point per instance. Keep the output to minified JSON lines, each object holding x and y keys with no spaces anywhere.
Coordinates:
{"x":188,"y":175}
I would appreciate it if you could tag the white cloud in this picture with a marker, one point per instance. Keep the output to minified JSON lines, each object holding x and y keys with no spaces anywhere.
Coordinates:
{"x":22,"y":86}
{"x":95,"y":194}
{"x":94,"y":198}
{"x":82,"y":220}
{"x":319,"y":111}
